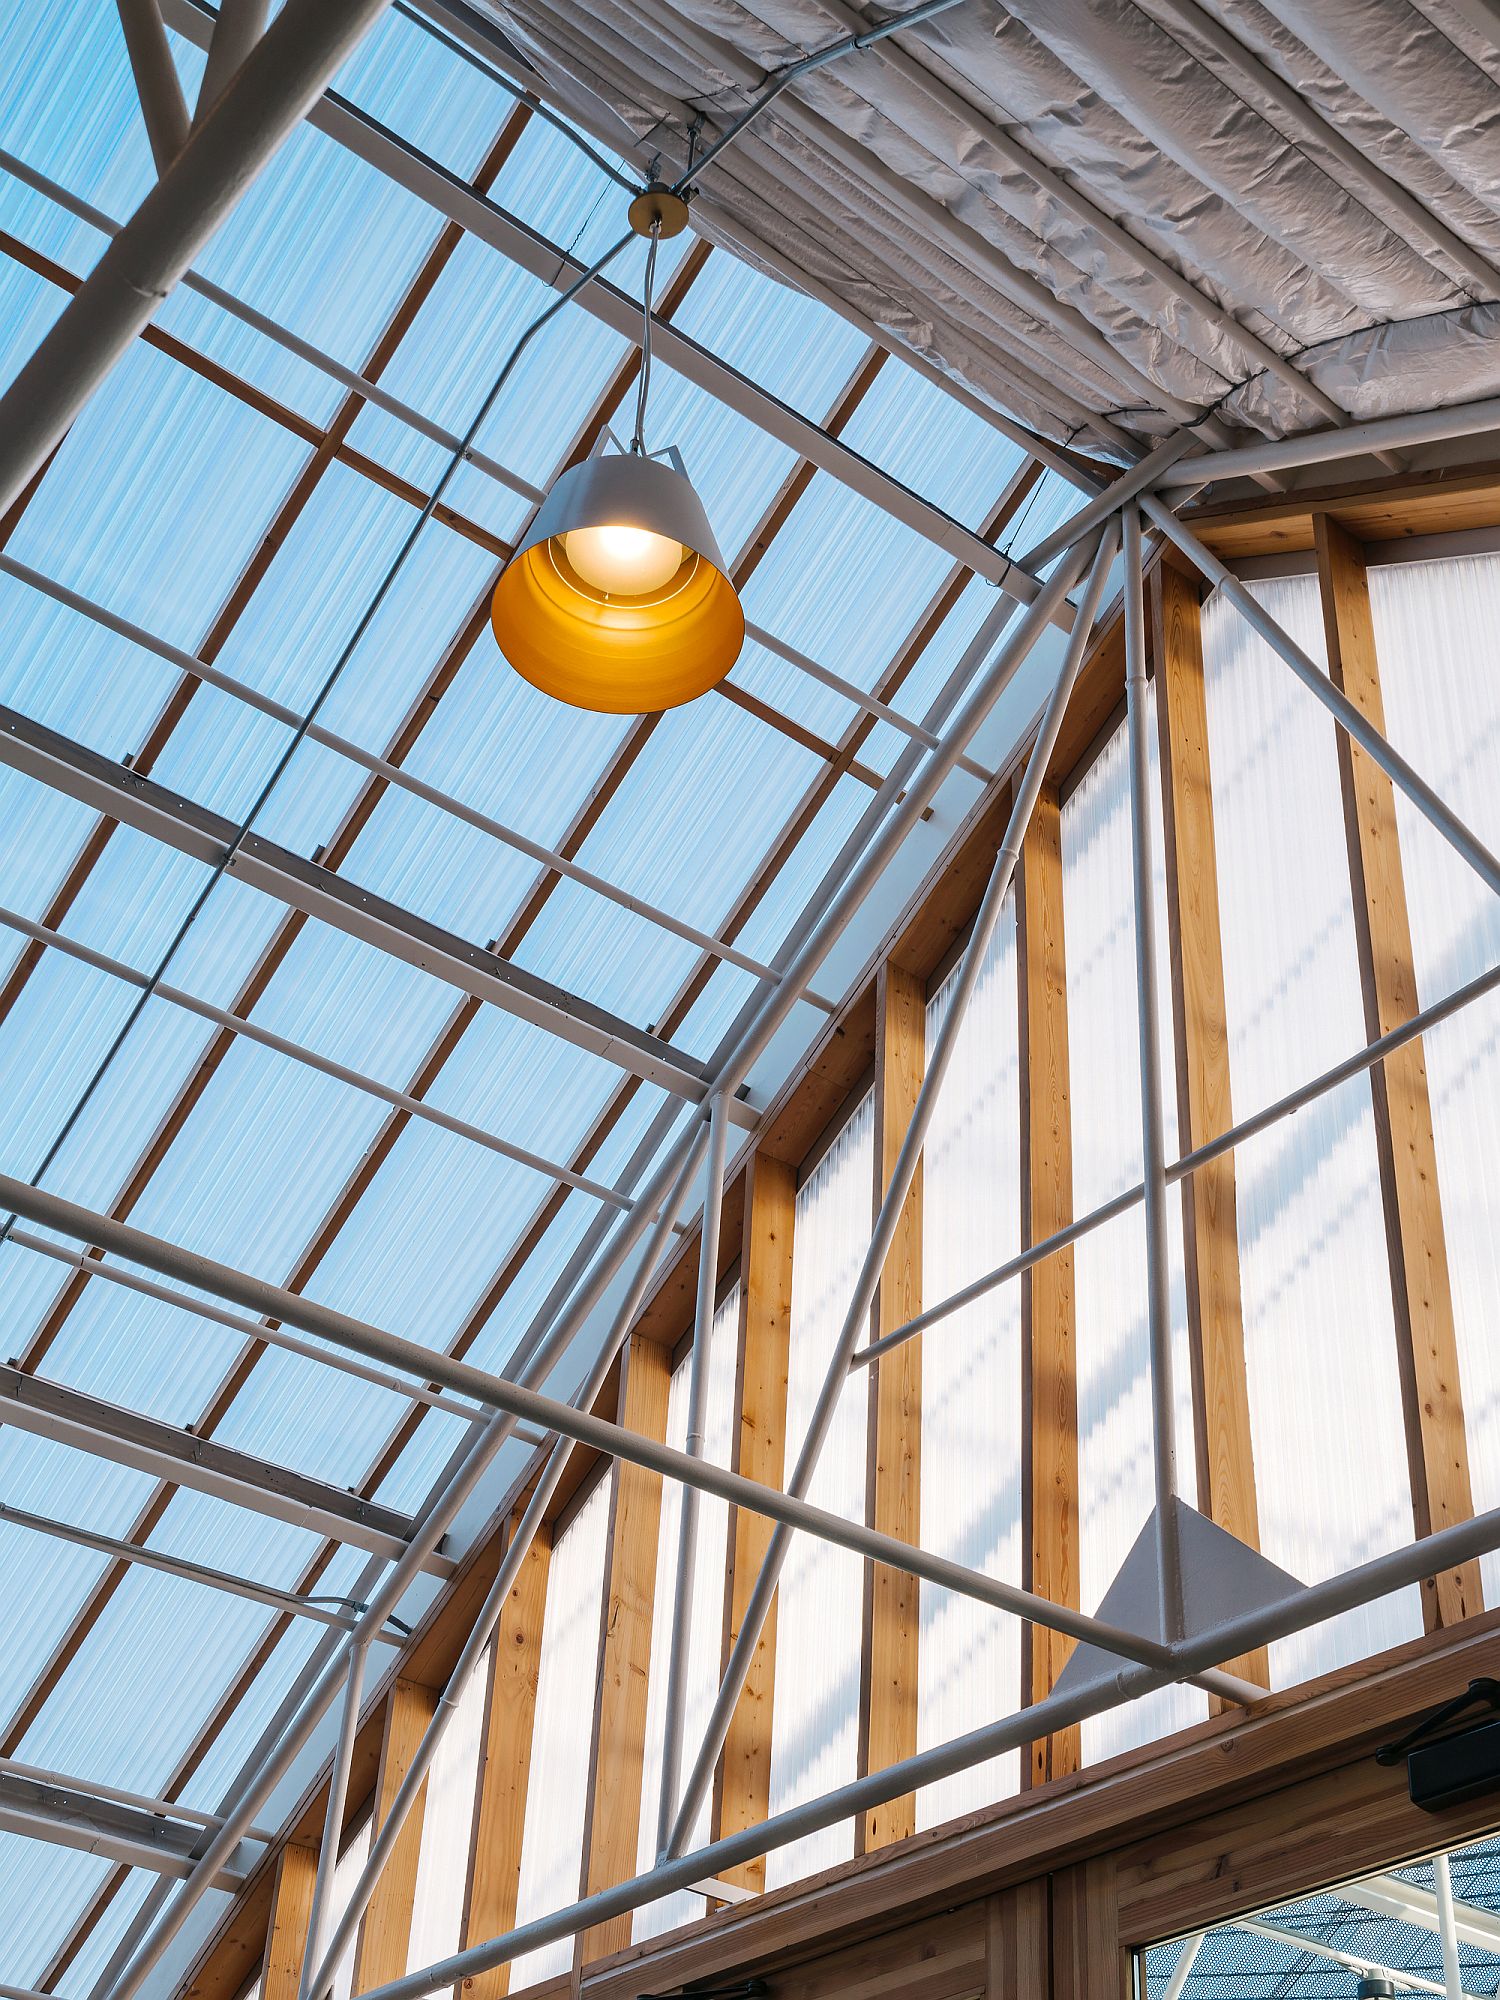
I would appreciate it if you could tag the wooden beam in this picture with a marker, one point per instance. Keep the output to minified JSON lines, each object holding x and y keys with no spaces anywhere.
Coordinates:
{"x":386,"y":1932}
{"x":614,"y":1817}
{"x":893,"y":1607}
{"x":505,"y":1766}
{"x":1049,"y":1362}
{"x":743,"y":1783}
{"x":1216,"y":1326}
{"x":291,"y":1911}
{"x":1426,"y":1338}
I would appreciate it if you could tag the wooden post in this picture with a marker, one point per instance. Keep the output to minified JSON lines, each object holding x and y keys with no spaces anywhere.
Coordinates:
{"x":291,"y":1911}
{"x":743,"y":1782}
{"x":893,"y":1607}
{"x":1018,"y":1942}
{"x":386,"y":1932}
{"x":1216,"y":1326}
{"x":1049,"y":1362}
{"x":505,"y":1767}
{"x":1426,"y":1339}
{"x":614,"y":1816}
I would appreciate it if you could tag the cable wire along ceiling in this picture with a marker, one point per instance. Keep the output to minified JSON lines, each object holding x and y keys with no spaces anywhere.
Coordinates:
{"x":1108,"y":217}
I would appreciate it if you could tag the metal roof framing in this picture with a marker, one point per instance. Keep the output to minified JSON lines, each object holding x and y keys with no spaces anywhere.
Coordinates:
{"x":315,"y":891}
{"x":329,"y":445}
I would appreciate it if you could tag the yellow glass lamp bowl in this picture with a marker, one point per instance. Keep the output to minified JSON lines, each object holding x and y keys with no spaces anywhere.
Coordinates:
{"x":617,"y":599}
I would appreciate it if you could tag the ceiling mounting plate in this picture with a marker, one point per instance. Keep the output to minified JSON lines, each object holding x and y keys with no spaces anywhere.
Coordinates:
{"x":658,"y":207}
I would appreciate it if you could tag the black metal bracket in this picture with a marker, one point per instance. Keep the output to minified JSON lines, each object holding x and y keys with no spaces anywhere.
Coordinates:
{"x":1482,"y":1693}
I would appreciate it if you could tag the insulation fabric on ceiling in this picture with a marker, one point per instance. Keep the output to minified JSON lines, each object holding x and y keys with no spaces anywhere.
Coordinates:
{"x":1104,"y":216}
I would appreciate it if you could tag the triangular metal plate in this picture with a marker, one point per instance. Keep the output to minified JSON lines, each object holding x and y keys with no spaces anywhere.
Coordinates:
{"x":1222,"y":1578}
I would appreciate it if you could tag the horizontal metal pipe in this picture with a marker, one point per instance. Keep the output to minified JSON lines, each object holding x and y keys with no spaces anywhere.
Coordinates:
{"x":50,"y":1211}
{"x":78,"y":1259}
{"x":1212,"y":1149}
{"x":215,"y":1579}
{"x":1441,"y":1551}
{"x":1380,"y":434}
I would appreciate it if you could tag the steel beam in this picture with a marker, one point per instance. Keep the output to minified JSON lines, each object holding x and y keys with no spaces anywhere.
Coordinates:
{"x":1409,"y":1982}
{"x":279,"y":82}
{"x":240,"y":25}
{"x":1153,"y":1124}
{"x":253,"y":1329}
{"x":1380,"y":434}
{"x":67,"y":1816}
{"x":1391,"y":1896}
{"x":68,"y":1416}
{"x":123,"y":795}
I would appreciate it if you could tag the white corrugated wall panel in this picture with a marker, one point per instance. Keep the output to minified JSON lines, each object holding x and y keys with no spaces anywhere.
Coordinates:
{"x":815,"y":1730}
{"x":705,"y":1649}
{"x":1435,"y":632}
{"x":969,"y":1659}
{"x":1325,"y":1405}
{"x":346,"y":1873}
{"x":448,"y":1828}
{"x":557,"y":1794}
{"x":1115,"y":1481}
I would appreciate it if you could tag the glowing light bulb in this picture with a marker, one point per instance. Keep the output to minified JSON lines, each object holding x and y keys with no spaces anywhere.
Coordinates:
{"x":623,"y":562}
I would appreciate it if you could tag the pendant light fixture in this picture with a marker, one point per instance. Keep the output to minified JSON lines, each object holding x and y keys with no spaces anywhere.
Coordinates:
{"x":617,"y":597}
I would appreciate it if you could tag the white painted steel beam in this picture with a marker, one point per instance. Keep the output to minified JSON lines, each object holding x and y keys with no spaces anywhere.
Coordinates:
{"x":123,"y":795}
{"x":68,"y":1416}
{"x":1390,"y":1896}
{"x":67,"y":1817}
{"x":163,"y":106}
{"x":1379,"y":434}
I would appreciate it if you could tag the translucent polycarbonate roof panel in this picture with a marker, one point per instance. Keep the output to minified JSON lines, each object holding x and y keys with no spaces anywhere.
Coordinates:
{"x":200,"y":498}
